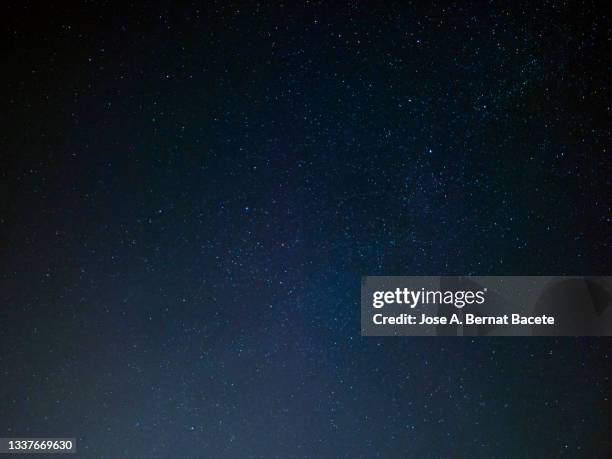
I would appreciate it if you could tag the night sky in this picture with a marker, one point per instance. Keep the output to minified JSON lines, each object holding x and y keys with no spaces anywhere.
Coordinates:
{"x":190,"y":195}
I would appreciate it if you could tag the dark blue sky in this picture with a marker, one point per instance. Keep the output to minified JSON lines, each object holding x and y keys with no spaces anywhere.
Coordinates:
{"x":191,"y":195}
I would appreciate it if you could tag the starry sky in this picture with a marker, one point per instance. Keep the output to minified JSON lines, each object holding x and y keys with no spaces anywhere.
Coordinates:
{"x":192,"y":192}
